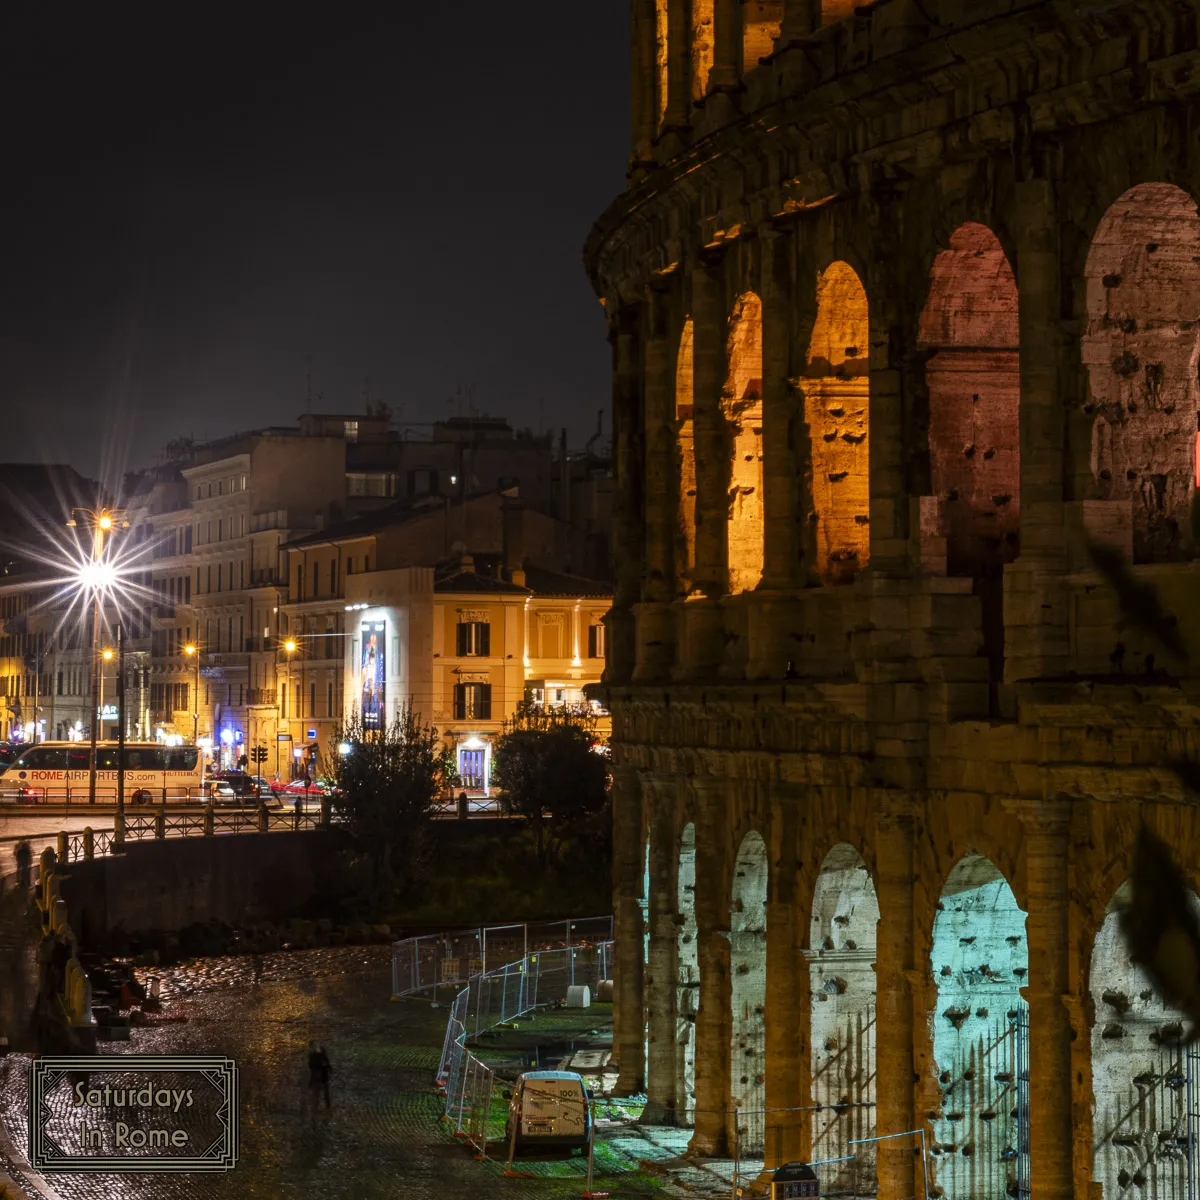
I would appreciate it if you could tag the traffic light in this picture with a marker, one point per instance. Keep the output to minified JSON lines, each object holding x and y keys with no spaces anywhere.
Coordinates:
{"x":258,"y":754}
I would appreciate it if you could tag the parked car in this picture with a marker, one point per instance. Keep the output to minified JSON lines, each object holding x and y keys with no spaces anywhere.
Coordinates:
{"x":249,"y":789}
{"x":220,"y":791}
{"x":549,"y":1110}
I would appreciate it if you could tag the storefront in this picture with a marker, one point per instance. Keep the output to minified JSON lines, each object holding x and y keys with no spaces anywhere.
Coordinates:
{"x":474,"y":762}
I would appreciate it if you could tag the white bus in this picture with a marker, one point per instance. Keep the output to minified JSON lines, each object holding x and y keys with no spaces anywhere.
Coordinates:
{"x":59,"y":772}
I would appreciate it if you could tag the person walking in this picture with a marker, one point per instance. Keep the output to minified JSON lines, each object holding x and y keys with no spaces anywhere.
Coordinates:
{"x":23,"y":856}
{"x":319,"y":1072}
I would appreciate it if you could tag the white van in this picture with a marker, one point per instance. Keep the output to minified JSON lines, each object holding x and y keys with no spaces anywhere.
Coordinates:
{"x":549,"y":1109}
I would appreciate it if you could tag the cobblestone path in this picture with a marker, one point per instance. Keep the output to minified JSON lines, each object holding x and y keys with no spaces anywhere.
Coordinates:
{"x":382,"y":1137}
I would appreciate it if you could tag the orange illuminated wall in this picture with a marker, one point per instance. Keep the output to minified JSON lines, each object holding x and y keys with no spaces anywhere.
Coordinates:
{"x":684,"y":410}
{"x":836,"y":392}
{"x":762,"y":19}
{"x":660,"y":59}
{"x":973,"y":376}
{"x":741,"y":404}
{"x":837,"y":10}
{"x":702,"y":46}
{"x":1141,"y":348}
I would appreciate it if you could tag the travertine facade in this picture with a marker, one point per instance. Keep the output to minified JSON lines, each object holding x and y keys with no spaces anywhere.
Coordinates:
{"x":904,"y":300}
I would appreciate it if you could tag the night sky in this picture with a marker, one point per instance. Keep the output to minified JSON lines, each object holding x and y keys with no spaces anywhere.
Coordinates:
{"x":198,"y":201}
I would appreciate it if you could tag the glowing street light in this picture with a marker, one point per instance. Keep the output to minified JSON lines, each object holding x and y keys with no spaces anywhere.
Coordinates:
{"x":193,"y":652}
{"x":289,"y":647}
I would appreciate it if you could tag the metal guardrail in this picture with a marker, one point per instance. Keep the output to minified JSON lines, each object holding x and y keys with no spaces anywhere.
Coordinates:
{"x":92,"y":843}
{"x":420,"y":964}
{"x":538,"y":980}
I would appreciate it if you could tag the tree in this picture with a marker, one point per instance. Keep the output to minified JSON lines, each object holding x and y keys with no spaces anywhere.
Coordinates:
{"x":546,"y":766}
{"x":386,"y":785}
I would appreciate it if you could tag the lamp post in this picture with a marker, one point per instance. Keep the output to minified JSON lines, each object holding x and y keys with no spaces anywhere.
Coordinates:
{"x":193,"y":652}
{"x":289,"y":648}
{"x":121,"y":729}
{"x":96,"y":575}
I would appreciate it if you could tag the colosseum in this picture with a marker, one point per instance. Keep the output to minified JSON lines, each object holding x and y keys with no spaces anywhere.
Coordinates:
{"x":904,"y":307}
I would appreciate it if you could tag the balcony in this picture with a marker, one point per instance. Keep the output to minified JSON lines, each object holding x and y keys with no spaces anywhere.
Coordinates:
{"x":261,"y":697}
{"x":266,"y":578}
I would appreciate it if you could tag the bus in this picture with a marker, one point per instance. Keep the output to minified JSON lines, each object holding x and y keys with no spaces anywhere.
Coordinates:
{"x":59,"y":772}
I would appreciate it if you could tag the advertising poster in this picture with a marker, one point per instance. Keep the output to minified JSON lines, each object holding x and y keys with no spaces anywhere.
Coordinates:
{"x":374,"y":654}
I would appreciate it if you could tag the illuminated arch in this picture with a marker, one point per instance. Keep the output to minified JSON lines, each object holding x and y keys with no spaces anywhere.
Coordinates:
{"x":836,"y":408}
{"x":760,"y":27}
{"x":841,"y":957}
{"x":741,"y":406}
{"x":748,"y":992}
{"x":1141,"y":348}
{"x":687,"y":987}
{"x":702,"y":47}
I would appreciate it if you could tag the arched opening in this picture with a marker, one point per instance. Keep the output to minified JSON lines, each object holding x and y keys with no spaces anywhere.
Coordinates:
{"x":760,"y":27}
{"x":748,"y":975}
{"x":837,"y":396}
{"x":980,"y":961}
{"x":1141,"y":349}
{"x":687,"y":988}
{"x":1140,"y":1075}
{"x":702,"y":47}
{"x":741,"y":405}
{"x":684,"y":416}
{"x":970,"y":327}
{"x":841,"y":957}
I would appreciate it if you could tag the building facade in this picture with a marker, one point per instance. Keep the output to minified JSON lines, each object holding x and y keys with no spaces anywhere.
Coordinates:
{"x":904,"y":306}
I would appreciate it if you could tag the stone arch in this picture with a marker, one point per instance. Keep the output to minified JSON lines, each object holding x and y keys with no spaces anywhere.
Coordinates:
{"x":760,"y":27}
{"x":970,"y":327}
{"x":684,"y":416}
{"x":1139,"y":1073}
{"x":687,"y":986}
{"x":841,"y":957}
{"x":980,"y":961}
{"x":1141,"y":351}
{"x":748,"y":987}
{"x":837,"y":398}
{"x":741,"y":406}
{"x":662,"y":60}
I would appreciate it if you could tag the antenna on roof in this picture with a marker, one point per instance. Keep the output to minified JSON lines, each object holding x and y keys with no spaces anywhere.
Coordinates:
{"x":308,"y":383}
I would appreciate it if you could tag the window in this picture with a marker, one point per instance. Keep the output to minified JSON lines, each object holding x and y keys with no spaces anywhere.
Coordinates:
{"x":367,"y":563}
{"x":208,"y":588}
{"x":299,"y":710}
{"x":474,"y":638}
{"x":351,"y":428}
{"x":312,"y":699}
{"x":316,"y":580}
{"x":349,"y":565}
{"x":187,"y":589}
{"x":220,"y":530}
{"x":595,"y":641}
{"x":299,"y":583}
{"x":218,"y":577}
{"x":333,"y":578}
{"x":329,"y":699}
{"x":472,"y":700}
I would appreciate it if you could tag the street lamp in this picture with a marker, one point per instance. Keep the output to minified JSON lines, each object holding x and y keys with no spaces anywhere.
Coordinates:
{"x":289,"y":648}
{"x":106,"y":656}
{"x":97,"y":575}
{"x":193,"y":652}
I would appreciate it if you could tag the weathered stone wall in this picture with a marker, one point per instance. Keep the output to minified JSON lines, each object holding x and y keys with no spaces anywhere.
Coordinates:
{"x":928,"y":669}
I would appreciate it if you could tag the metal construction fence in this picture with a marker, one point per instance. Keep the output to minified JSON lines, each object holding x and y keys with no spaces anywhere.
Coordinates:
{"x":539,"y":979}
{"x":421,"y":964}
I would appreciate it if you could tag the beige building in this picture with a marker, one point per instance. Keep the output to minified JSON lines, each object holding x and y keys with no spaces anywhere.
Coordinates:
{"x":464,"y":641}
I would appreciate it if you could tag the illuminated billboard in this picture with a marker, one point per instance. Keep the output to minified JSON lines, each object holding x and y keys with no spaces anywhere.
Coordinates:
{"x":374,"y":676}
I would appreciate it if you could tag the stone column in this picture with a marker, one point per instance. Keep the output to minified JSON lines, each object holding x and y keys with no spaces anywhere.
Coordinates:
{"x":702,"y":621}
{"x":1035,"y":600}
{"x":662,"y":970}
{"x":643,"y":83}
{"x":628,"y":499}
{"x":629,"y":1037}
{"x":789,"y":1001}
{"x":713,"y":1017}
{"x":679,"y":65}
{"x":899,"y":1167}
{"x":889,"y":502}
{"x":773,"y":612}
{"x":1047,"y":894}
{"x":726,"y":74}
{"x":655,"y":626}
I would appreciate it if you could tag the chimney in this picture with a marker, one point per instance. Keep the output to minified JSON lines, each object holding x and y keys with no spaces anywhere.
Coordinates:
{"x":512,"y":515}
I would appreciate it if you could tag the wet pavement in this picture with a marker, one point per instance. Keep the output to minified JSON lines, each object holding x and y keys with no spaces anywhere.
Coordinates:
{"x":382,"y":1136}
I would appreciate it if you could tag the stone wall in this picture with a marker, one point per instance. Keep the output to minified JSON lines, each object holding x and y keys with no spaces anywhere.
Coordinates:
{"x":170,"y":884}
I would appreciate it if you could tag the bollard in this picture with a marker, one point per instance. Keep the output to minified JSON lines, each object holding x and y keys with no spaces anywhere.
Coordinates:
{"x":154,"y":987}
{"x":296,"y":815}
{"x":160,"y":822}
{"x":326,"y":809}
{"x":208,"y":820}
{"x":63,"y":846}
{"x":89,"y":843}
{"x":262,"y":817}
